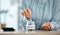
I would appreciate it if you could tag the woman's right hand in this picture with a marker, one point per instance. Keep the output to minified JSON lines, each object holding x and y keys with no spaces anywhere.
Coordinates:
{"x":27,"y":13}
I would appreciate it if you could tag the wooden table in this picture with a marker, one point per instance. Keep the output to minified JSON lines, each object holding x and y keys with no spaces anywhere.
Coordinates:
{"x":31,"y":33}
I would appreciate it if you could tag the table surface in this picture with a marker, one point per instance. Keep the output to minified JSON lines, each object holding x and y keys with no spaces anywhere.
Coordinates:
{"x":31,"y":33}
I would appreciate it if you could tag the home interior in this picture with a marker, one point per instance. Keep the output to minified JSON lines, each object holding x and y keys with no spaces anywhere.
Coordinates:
{"x":10,"y":20}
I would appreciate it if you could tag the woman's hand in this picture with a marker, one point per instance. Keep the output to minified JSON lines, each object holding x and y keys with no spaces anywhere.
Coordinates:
{"x":46,"y":26}
{"x":27,"y":13}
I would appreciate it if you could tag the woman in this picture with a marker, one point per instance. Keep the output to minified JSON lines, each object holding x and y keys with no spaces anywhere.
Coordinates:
{"x":45,"y":13}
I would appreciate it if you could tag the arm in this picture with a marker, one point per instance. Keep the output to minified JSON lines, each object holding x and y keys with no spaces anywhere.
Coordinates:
{"x":56,"y":18}
{"x":55,"y":21}
{"x":24,"y":5}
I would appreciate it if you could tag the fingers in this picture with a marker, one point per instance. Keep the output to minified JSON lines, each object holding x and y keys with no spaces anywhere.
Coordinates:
{"x":46,"y":26}
{"x":23,"y":13}
{"x":27,"y":13}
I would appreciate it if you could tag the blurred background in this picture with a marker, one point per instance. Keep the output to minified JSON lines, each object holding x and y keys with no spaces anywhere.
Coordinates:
{"x":9,"y":13}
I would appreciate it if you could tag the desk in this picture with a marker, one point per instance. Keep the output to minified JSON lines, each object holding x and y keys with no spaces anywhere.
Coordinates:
{"x":31,"y":33}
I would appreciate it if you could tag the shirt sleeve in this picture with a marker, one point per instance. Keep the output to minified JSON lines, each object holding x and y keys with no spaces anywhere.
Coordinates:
{"x":24,"y":4}
{"x":56,"y":16}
